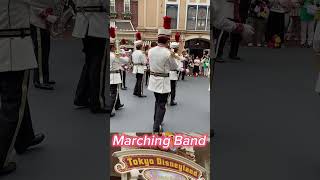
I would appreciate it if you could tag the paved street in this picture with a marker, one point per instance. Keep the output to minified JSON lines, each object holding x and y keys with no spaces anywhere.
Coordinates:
{"x":192,"y":114}
{"x":266,"y":116}
{"x":75,"y":147}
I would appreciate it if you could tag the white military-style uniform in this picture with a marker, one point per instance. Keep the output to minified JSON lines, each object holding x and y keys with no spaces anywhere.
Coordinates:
{"x":16,"y":53}
{"x":16,"y":59}
{"x":139,"y":60}
{"x":115,"y":65}
{"x":91,"y":23}
{"x":219,"y":18}
{"x":160,"y":62}
{"x":174,"y":73}
{"x":38,"y":6}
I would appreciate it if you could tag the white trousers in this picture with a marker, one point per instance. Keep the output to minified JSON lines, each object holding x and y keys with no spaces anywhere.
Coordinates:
{"x":307,"y":32}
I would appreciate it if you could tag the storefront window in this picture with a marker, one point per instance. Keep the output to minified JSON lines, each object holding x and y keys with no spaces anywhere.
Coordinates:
{"x":198,"y":18}
{"x":172,"y":11}
{"x":112,"y":6}
{"x":191,"y":17}
{"x":126,"y":6}
{"x":202,"y":18}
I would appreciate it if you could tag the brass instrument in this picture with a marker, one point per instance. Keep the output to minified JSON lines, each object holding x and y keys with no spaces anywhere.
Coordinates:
{"x":117,"y":52}
{"x":173,"y":55}
{"x":63,"y":15}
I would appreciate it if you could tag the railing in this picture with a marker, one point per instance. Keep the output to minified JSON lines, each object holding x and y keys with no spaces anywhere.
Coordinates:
{"x":127,"y":15}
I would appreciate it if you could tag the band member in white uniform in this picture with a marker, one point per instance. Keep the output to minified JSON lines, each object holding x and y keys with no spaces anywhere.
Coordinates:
{"x":153,"y":44}
{"x":41,"y":17}
{"x":175,"y":72}
{"x":116,"y":60}
{"x":91,"y":26}
{"x":124,"y":67}
{"x":139,"y":61}
{"x":16,"y":60}
{"x":161,"y":62}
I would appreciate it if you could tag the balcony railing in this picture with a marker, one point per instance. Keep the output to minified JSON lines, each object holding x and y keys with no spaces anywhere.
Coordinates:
{"x":113,"y":15}
{"x":127,"y":15}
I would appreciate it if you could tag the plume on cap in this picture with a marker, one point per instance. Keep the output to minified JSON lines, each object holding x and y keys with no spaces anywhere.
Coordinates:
{"x":177,"y":37}
{"x":138,"y":39}
{"x":167,"y":22}
{"x":123,"y":41}
{"x":112,"y":32}
{"x":138,"y":36}
{"x":166,"y":30}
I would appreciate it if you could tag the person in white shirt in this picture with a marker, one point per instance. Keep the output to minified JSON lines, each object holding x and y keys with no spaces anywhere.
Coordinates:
{"x":17,"y":58}
{"x":41,"y":18}
{"x":161,"y":62}
{"x":174,"y":73}
{"x":139,"y":60}
{"x":91,"y":26}
{"x":116,"y":61}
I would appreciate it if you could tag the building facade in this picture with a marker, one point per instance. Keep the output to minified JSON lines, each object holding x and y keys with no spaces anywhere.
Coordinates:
{"x":124,"y":16}
{"x":189,"y":17}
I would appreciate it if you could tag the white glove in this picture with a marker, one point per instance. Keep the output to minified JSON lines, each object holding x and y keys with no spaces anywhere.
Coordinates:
{"x":247,"y":32}
{"x":52,"y":19}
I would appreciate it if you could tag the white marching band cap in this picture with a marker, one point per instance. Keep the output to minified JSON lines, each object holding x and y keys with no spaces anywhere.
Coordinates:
{"x":138,"y":39}
{"x":166,"y":31}
{"x":175,"y":45}
{"x":112,"y":34}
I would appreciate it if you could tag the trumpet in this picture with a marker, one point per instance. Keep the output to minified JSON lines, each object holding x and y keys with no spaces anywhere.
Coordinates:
{"x":63,"y":16}
{"x":117,"y":52}
{"x":175,"y":56}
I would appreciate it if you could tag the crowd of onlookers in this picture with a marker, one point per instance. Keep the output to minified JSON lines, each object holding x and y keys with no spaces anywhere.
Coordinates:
{"x":277,"y":21}
{"x":196,"y":66}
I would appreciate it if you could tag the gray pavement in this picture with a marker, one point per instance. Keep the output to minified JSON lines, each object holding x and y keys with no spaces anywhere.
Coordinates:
{"x":266,"y":116}
{"x":192,"y":114}
{"x":75,"y":147}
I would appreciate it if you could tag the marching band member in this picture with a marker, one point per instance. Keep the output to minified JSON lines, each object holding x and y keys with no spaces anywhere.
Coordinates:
{"x":124,"y":66}
{"x":91,"y":26}
{"x":41,"y":18}
{"x":175,"y":72}
{"x":223,"y":23}
{"x":139,"y":60}
{"x":116,"y":60}
{"x":16,"y":60}
{"x":161,"y":62}
{"x":153,"y":44}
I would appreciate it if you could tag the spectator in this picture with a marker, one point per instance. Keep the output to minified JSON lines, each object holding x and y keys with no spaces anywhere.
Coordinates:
{"x":259,"y":12}
{"x":307,"y":24}
{"x":275,"y":25}
{"x":196,"y":68}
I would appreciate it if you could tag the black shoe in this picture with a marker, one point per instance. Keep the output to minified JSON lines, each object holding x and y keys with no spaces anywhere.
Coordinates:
{"x":173,"y":103}
{"x":37,"y":140}
{"x":119,"y":107}
{"x":80,"y":104}
{"x":43,"y":86}
{"x":219,"y":60}
{"x":135,"y":94}
{"x":12,"y":166}
{"x":235,"y":58}
{"x":51,"y":82}
{"x":100,"y":110}
{"x":142,"y":96}
{"x":112,"y":114}
{"x":124,"y":88}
